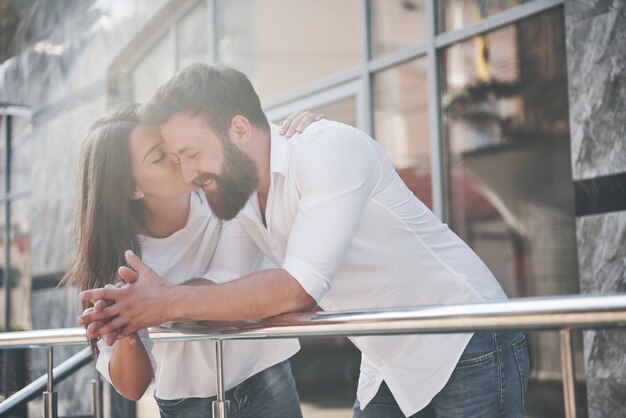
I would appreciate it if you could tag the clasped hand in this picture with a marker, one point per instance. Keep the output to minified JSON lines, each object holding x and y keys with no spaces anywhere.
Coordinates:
{"x":120,"y":311}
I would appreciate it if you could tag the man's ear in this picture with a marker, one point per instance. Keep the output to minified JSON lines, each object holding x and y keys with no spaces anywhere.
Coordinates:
{"x":240,"y":131}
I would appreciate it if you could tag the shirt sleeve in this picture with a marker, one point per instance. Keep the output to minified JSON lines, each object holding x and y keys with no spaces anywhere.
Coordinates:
{"x":235,"y":256}
{"x":106,"y":352}
{"x":336,"y":173}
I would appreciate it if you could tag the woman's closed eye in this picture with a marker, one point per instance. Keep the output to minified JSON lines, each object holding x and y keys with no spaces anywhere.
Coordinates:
{"x":160,"y":157}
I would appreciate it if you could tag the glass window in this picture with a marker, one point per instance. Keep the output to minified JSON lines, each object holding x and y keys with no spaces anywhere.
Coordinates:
{"x":192,"y":36}
{"x":397,"y":24}
{"x":506,"y":128}
{"x":19,"y":273}
{"x":343,"y":111}
{"x":455,"y":14}
{"x":282,"y":44}
{"x":155,"y":68}
{"x":401,"y":123}
{"x":3,"y":121}
{"x":20,"y":167}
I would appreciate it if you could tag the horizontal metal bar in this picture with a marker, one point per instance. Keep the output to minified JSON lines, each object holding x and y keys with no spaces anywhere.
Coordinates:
{"x":496,"y":21}
{"x":34,"y":389}
{"x":15,"y":110}
{"x":398,"y":57}
{"x":541,"y":313}
{"x":43,"y":338}
{"x":526,"y":314}
{"x":312,"y":88}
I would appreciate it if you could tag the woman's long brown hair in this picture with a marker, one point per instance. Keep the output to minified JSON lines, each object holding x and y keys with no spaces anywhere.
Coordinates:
{"x":106,"y":218}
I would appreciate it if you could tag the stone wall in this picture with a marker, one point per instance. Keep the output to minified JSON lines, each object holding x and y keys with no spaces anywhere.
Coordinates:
{"x":596,"y":54}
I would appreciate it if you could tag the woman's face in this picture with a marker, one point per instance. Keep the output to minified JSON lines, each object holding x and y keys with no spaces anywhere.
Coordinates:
{"x":156,"y":175}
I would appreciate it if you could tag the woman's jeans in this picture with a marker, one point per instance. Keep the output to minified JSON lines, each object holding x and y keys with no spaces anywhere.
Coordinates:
{"x":489,"y":380}
{"x":270,"y":393}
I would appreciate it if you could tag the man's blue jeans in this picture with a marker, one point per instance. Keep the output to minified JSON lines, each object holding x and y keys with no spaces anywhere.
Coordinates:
{"x":270,"y":393}
{"x":489,"y":380}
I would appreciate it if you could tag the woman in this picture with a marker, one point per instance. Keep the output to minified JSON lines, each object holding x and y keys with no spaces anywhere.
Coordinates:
{"x":130,"y":195}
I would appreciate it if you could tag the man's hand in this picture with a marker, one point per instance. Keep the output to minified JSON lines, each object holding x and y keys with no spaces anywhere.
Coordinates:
{"x":139,"y":304}
{"x":93,"y":327}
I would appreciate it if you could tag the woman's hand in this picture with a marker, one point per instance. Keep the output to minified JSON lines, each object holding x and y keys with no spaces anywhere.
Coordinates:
{"x":298,"y":122}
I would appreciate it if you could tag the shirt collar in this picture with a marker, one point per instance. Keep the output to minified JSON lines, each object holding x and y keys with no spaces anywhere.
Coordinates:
{"x":279,"y":164}
{"x":279,"y":152}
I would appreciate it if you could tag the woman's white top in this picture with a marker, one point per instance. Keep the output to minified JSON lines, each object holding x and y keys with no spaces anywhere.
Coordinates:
{"x":187,"y":369}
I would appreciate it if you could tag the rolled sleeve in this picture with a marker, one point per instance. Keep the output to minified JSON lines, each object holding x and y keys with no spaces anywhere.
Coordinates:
{"x":336,"y":173}
{"x":314,"y":283}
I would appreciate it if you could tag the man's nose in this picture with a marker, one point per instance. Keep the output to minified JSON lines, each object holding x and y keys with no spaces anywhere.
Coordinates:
{"x":188,"y":172}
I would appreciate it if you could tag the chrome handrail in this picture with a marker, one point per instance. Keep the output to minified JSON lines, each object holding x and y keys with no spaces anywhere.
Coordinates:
{"x":59,"y":373}
{"x":540,"y":313}
{"x":562,"y":313}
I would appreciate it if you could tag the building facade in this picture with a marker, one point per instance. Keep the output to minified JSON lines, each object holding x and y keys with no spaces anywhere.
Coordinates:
{"x":501,"y":115}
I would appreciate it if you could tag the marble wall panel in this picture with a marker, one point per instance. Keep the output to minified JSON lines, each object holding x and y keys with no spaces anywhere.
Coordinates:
{"x":596,"y":59}
{"x":602,"y":253}
{"x":609,"y":399}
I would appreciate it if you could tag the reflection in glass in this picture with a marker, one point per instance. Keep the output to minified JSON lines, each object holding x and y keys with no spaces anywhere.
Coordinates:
{"x":20,"y":167}
{"x":155,"y":68}
{"x":19,"y":273}
{"x":509,"y":169}
{"x":397,"y":24}
{"x":193,"y":36}
{"x":282,"y":44}
{"x":455,"y":14}
{"x":3,"y":121}
{"x":343,"y":111}
{"x":401,"y":123}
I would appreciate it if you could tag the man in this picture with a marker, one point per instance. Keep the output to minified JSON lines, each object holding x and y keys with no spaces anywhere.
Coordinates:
{"x":330,"y":210}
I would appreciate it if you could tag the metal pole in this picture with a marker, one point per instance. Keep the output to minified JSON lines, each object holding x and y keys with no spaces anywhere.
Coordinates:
{"x":567,"y":370}
{"x":220,"y":406}
{"x":49,"y":396}
{"x":96,"y":393}
{"x":7,"y":249}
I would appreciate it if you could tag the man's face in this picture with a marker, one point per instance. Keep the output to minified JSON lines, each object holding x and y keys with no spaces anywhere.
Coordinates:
{"x":225,"y":173}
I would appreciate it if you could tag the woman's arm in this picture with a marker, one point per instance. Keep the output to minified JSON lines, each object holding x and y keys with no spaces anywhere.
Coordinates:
{"x":130,"y":368}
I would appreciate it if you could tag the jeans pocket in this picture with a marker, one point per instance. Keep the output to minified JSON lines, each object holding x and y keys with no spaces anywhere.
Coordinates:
{"x":476,"y":361}
{"x":170,"y":405}
{"x":520,"y":351}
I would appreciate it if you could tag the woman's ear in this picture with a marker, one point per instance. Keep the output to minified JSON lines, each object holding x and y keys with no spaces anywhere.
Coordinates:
{"x":137,"y":195}
{"x":240,"y":131}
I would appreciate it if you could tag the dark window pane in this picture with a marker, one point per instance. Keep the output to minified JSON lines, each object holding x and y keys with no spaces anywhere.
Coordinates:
{"x":455,"y":14}
{"x":509,"y":163}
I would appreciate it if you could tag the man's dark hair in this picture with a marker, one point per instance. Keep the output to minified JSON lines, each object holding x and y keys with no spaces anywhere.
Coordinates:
{"x":217,"y":93}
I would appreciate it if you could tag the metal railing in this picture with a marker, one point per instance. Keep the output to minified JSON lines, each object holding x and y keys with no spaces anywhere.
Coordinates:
{"x":563,"y":313}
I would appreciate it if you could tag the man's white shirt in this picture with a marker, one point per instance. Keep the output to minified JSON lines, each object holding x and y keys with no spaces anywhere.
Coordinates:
{"x":220,"y":252}
{"x":345,"y":226}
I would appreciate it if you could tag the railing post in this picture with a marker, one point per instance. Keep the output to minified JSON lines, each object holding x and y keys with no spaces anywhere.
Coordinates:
{"x":567,"y":370}
{"x":220,"y":406}
{"x":49,"y":396}
{"x":96,"y":394}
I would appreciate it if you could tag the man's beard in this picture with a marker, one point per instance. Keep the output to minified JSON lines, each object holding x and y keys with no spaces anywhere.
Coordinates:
{"x":235,"y":185}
